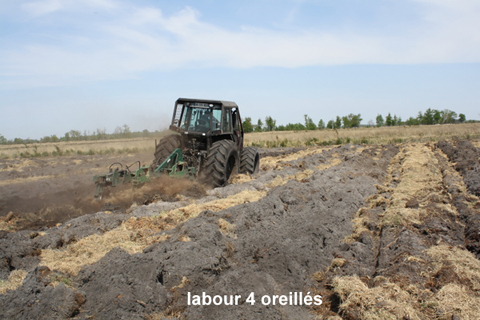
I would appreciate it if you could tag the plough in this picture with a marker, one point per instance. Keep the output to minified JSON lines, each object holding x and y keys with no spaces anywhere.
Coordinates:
{"x":173,"y":166}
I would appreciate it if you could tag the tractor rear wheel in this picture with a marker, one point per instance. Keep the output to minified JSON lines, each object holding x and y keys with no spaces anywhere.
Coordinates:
{"x":165,"y":147}
{"x":249,"y":160}
{"x":222,"y":161}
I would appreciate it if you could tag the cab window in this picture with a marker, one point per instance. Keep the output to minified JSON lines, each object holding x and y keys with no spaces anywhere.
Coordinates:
{"x":227,"y":121}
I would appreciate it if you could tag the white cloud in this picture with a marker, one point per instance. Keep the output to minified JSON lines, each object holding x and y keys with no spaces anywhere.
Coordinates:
{"x":42,"y":7}
{"x":136,"y":39}
{"x":184,"y":37}
{"x":450,"y":30}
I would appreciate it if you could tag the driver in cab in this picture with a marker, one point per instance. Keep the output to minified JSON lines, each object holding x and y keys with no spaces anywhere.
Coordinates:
{"x":203,"y":122}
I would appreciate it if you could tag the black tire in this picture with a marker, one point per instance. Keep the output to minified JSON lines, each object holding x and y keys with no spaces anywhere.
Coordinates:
{"x":249,"y":160}
{"x":165,"y":147}
{"x":222,"y":161}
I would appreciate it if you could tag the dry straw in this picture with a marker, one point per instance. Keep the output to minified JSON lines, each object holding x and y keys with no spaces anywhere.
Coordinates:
{"x":387,"y":301}
{"x":15,"y":280}
{"x":371,"y":135}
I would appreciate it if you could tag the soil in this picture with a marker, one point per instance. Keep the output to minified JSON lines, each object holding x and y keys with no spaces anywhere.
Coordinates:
{"x":310,"y":219}
{"x":42,"y":192}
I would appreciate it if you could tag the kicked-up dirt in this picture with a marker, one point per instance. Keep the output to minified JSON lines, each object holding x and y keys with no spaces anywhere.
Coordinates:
{"x":349,"y":232}
{"x":39,"y":192}
{"x":42,"y":192}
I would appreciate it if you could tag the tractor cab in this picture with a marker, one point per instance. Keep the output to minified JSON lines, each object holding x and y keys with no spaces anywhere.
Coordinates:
{"x":203,"y":122}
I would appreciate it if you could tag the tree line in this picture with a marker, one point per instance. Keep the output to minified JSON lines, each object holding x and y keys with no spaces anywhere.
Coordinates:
{"x":349,"y":121}
{"x":429,"y":117}
{"x":120,"y":132}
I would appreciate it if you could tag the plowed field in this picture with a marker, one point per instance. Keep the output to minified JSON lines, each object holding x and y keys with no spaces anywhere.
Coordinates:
{"x":379,"y":232}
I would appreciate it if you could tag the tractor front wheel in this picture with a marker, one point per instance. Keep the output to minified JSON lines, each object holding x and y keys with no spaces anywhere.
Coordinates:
{"x":222,"y":161}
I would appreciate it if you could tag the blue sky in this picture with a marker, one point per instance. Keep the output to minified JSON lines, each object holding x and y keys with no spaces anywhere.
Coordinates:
{"x":99,"y":64}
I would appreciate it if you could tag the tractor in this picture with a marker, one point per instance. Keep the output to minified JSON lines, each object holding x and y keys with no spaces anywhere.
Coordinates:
{"x":206,"y":143}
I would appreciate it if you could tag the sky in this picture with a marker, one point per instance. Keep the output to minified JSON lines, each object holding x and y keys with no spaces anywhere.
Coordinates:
{"x":98,"y":64}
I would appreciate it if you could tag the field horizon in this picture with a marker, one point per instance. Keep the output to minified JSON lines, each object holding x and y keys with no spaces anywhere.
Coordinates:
{"x":266,"y":139}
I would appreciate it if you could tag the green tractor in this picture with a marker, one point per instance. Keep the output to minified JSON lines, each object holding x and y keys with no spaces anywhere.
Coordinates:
{"x":206,"y":144}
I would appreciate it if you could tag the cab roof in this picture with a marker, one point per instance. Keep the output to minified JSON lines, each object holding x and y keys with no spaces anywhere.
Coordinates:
{"x":228,"y":104}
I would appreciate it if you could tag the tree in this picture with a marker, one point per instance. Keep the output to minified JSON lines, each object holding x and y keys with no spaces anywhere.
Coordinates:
{"x":118,"y":132}
{"x":295,"y":127}
{"x":247,"y":125}
{"x":309,"y":125}
{"x":101,"y":134}
{"x":270,"y":123}
{"x":321,"y":125}
{"x":437,"y":116}
{"x":380,"y":121}
{"x":259,"y":127}
{"x":461,"y":117}
{"x":419,"y":117}
{"x":395,"y":121}
{"x":449,"y":116}
{"x":389,"y":120}
{"x":352,"y":120}
{"x":428,"y":117}
{"x":75,"y":134}
{"x":346,"y":122}
{"x":355,"y":120}
{"x":412,"y":121}
{"x":126,"y":130}
{"x":2,"y":140}
{"x":338,"y":122}
{"x":330,"y":124}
